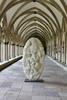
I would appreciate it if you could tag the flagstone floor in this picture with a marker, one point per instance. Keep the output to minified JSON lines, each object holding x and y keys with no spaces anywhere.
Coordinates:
{"x":13,"y":87}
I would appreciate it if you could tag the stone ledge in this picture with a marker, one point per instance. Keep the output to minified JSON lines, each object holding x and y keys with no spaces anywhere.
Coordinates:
{"x":5,"y":64}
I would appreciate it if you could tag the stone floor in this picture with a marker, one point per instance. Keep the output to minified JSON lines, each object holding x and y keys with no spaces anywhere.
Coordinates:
{"x":13,"y":87}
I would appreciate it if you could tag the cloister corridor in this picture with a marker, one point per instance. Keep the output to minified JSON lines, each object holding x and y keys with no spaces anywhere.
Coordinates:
{"x":33,"y":33}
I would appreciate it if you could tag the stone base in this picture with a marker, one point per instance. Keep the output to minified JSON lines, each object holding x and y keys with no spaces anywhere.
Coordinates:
{"x":40,"y":80}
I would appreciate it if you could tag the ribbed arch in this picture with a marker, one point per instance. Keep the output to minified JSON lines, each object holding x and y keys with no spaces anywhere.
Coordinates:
{"x":40,"y":32}
{"x":43,"y":4}
{"x":31,"y":32}
{"x":64,"y":5}
{"x":47,"y":6}
{"x":10,"y":5}
{"x":26,"y":19}
{"x":47,"y":19}
{"x":48,"y":24}
{"x":36,"y":25}
{"x":39,"y":11}
{"x":36,"y":30}
{"x":15,"y":2}
{"x":24,"y":26}
{"x":18,"y":10}
{"x":54,"y":4}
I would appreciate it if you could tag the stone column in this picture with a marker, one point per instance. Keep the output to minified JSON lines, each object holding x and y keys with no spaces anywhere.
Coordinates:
{"x":60,"y":59}
{"x":9,"y":50}
{"x":20,"y":50}
{"x":65,"y":49}
{"x":6,"y":51}
{"x":2,"y":54}
{"x":0,"y":51}
{"x":55,"y":47}
{"x":60,"y":48}
{"x":13,"y":50}
{"x":51,"y":49}
{"x":17,"y":50}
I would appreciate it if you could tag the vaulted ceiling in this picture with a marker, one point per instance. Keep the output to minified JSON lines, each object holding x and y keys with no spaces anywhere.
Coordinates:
{"x":22,"y":19}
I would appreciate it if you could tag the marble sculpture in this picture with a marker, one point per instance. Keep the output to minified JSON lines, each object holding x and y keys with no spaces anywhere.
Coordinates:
{"x":33,"y":59}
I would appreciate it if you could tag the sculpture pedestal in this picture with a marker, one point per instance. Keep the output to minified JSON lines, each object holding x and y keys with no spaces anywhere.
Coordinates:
{"x":39,"y":80}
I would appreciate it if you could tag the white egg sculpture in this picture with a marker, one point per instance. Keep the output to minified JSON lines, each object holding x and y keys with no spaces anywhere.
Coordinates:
{"x":33,"y":58}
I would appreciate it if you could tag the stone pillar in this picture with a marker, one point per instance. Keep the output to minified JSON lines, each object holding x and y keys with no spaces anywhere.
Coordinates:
{"x":13,"y":50}
{"x":51,"y":49}
{"x":60,"y":51}
{"x":55,"y":47}
{"x":0,"y":51}
{"x":65,"y":49}
{"x":17,"y":50}
{"x":20,"y":50}
{"x":6,"y":51}
{"x":60,"y":48}
{"x":2,"y":55}
{"x":9,"y":50}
